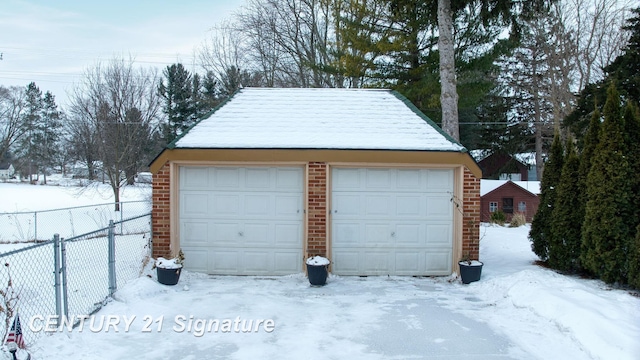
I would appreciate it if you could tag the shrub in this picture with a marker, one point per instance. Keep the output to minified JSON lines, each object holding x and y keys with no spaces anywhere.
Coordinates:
{"x":518,"y":219}
{"x":498,"y":217}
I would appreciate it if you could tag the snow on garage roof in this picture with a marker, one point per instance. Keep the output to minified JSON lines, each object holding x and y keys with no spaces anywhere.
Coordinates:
{"x":302,"y":118}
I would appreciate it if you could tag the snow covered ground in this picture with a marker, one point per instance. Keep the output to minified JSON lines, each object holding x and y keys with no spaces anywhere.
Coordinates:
{"x":87,"y":208}
{"x":517,"y":310}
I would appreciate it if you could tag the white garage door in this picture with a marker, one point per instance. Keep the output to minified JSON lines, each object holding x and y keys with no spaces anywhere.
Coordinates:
{"x":392,"y":221}
{"x":241,"y":221}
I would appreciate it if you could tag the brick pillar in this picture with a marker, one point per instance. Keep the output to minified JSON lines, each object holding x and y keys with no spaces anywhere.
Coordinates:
{"x":317,"y":196}
{"x":160,"y":214}
{"x":471,"y":215}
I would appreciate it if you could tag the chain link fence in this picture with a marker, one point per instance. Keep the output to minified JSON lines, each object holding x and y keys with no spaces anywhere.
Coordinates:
{"x":71,"y":277}
{"x":18,"y":227}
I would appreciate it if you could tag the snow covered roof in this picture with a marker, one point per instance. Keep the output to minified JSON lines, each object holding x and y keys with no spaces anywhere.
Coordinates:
{"x":302,"y":118}
{"x":487,"y":186}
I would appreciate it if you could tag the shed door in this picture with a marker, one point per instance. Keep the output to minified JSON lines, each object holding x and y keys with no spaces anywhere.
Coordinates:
{"x":392,"y":221}
{"x":241,"y":220}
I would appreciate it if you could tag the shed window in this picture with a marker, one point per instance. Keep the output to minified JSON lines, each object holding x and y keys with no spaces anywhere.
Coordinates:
{"x":493,"y":206}
{"x":507,"y":205}
{"x":522,"y":206}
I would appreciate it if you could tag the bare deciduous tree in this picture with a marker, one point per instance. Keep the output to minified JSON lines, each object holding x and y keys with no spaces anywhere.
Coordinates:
{"x":12,"y":105}
{"x":120,"y":105}
{"x":278,"y":42}
{"x":599,"y":37}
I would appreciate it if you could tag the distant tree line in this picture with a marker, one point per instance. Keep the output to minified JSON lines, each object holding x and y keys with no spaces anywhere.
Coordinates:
{"x":589,"y":215}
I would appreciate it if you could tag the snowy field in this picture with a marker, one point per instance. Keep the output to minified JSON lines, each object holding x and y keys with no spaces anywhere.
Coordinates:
{"x":87,"y":208}
{"x":516,"y":311}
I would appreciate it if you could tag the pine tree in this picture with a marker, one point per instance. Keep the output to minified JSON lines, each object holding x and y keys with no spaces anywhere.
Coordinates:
{"x":540,"y":233}
{"x":564,"y":244}
{"x":607,"y":232}
{"x":47,"y":134}
{"x":31,"y":120}
{"x":177,"y":95}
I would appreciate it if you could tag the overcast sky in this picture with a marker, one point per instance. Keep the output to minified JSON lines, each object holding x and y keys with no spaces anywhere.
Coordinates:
{"x":52,"y":42}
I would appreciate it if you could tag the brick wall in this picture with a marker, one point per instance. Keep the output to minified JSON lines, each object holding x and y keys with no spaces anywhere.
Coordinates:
{"x":317,"y":225}
{"x":471,"y":215}
{"x":160,"y":221}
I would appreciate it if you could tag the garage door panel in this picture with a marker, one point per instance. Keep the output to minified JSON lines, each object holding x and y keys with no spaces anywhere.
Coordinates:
{"x":256,"y":234}
{"x":409,"y":235}
{"x":223,"y":233}
{"x":438,"y":262}
{"x":440,"y":180}
{"x":198,"y":258}
{"x":379,"y":179}
{"x":407,"y":262}
{"x":346,"y":233}
{"x":253,"y":219}
{"x":347,"y":204}
{"x":348,"y":261}
{"x":409,"y":180}
{"x":226,"y":178}
{"x":287,"y":235}
{"x":287,"y":205}
{"x":226,"y":205}
{"x":377,"y":235}
{"x":377,"y":205}
{"x":196,"y":233}
{"x":376,"y":262}
{"x":257,"y":180}
{"x":439,"y":235}
{"x":225,"y":262}
{"x":195,"y":204}
{"x":439,"y":207}
{"x":257,"y":262}
{"x":257,"y":205}
{"x":195,"y":178}
{"x":346,"y":179}
{"x":287,"y":179}
{"x":285,"y":262}
{"x":409,"y":206}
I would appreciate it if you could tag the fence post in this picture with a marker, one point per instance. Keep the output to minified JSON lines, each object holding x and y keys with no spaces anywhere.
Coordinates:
{"x":56,"y":275}
{"x":35,"y":225}
{"x":121,"y":216}
{"x":112,"y":258}
{"x":65,"y":299}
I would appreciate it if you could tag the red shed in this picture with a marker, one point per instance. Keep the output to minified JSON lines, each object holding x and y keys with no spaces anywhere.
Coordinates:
{"x":510,"y":197}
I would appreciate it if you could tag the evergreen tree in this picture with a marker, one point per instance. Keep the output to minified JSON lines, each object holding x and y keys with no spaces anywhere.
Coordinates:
{"x":632,"y":138}
{"x":590,"y":143}
{"x":607,"y":230}
{"x":564,"y":244}
{"x":47,"y":134}
{"x":178,"y":105}
{"x":540,"y":233}
{"x":31,"y":119}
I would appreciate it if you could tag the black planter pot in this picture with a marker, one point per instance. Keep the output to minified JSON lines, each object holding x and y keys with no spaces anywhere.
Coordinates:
{"x":168,"y":276}
{"x":470,"y":272}
{"x":317,"y":274}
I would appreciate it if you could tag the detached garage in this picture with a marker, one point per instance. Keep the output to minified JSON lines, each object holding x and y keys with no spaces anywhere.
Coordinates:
{"x":273,"y":176}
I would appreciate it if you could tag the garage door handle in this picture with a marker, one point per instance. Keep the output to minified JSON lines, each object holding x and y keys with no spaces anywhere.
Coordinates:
{"x":393,"y":234}
{"x":240,"y":233}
